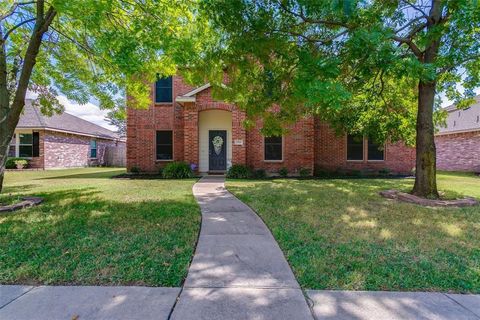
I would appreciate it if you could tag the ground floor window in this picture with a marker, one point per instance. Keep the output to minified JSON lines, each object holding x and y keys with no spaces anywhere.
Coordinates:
{"x":375,"y":151}
{"x":164,"y":145}
{"x":25,"y":145}
{"x":93,"y":149}
{"x":273,"y":148}
{"x":358,"y":147}
{"x":354,"y":148}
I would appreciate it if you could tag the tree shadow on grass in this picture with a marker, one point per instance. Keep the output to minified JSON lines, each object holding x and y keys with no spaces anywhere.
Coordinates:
{"x":342,"y":235}
{"x":88,"y":175}
{"x":77,"y":237}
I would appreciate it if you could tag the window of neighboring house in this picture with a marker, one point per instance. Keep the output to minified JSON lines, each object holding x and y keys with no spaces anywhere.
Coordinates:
{"x":93,"y":148}
{"x":163,"y":90}
{"x":164,"y":145}
{"x":273,"y":148}
{"x":12,"y":149}
{"x":354,"y":148}
{"x":375,"y":151}
{"x":25,"y":147}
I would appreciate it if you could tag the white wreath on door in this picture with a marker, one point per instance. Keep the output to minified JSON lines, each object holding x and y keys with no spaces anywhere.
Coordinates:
{"x":217,"y":144}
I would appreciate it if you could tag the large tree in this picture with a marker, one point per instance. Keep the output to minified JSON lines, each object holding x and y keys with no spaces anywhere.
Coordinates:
{"x":369,"y":67}
{"x":88,"y":49}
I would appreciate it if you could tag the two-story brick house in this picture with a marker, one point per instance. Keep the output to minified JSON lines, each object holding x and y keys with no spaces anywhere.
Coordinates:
{"x":186,"y":124}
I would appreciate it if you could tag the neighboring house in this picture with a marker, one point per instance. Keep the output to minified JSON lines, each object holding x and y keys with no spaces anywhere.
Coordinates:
{"x":64,"y":141}
{"x":187,"y":124}
{"x":458,"y":144}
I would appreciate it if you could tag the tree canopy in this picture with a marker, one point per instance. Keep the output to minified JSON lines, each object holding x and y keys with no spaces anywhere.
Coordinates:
{"x":355,"y":64}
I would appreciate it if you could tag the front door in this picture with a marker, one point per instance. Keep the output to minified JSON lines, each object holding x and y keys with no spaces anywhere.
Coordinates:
{"x":217,"y":150}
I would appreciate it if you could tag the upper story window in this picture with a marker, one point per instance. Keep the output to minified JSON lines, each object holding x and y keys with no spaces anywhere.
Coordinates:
{"x":93,"y":148}
{"x":273,"y":148}
{"x":164,"y":90}
{"x":25,"y":145}
{"x":375,"y":151}
{"x":164,"y":145}
{"x":354,"y":147}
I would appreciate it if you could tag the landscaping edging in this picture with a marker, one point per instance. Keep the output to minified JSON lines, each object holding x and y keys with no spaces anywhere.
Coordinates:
{"x":406,"y":197}
{"x":25,"y":203}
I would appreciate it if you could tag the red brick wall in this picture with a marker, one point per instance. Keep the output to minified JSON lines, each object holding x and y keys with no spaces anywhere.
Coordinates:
{"x":64,"y":150}
{"x":458,"y":151}
{"x":298,"y":148}
{"x":331,"y":154}
{"x":309,"y":143}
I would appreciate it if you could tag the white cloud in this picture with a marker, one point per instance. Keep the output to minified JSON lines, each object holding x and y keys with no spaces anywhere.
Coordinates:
{"x":88,"y":111}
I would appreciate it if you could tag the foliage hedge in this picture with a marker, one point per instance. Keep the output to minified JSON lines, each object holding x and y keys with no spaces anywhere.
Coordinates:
{"x":239,"y":171}
{"x":10,"y":164}
{"x":177,"y":170}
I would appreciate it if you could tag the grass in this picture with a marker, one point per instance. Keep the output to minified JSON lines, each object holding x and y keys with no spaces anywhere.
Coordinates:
{"x":340,"y":234}
{"x":93,"y":230}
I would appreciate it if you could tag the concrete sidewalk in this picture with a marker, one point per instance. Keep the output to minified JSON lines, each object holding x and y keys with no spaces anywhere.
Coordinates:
{"x":379,"y":305}
{"x":238,"y":271}
{"x":85,"y":302}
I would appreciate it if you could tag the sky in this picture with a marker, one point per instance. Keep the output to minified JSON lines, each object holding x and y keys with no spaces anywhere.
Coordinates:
{"x":89,"y":112}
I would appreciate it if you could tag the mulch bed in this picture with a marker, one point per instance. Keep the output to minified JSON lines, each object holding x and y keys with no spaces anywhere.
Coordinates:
{"x":25,"y":203}
{"x":407,"y":197}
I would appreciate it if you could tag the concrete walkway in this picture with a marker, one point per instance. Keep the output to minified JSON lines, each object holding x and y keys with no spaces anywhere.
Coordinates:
{"x":238,"y":271}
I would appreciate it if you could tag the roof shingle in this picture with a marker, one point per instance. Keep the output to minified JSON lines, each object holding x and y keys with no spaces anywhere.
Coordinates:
{"x":33,"y":118}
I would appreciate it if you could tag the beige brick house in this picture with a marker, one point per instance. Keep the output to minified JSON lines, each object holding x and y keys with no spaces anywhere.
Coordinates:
{"x":184,"y":123}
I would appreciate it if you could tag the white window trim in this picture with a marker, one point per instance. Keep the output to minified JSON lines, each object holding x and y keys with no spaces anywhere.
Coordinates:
{"x":17,"y":142}
{"x":90,"y":149}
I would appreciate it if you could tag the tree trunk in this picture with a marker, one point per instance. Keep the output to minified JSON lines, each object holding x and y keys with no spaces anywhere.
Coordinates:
{"x":5,"y":139}
{"x":425,"y":171}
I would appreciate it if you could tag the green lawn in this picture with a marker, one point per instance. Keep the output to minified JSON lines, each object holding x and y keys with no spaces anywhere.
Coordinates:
{"x":339,"y":234}
{"x":96,"y":230}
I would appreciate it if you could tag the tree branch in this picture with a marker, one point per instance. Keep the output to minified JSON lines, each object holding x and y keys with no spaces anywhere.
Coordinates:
{"x":13,"y":8}
{"x":17,"y":26}
{"x":409,"y":42}
{"x":306,"y":19}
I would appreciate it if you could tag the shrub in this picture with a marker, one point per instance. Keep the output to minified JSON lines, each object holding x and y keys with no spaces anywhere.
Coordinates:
{"x":239,"y":171}
{"x":283,"y":172}
{"x":260,"y":174}
{"x":304,"y":172}
{"x":21,"y":163}
{"x":134,"y":169}
{"x":384,"y":172}
{"x":11,"y":163}
{"x":177,"y":170}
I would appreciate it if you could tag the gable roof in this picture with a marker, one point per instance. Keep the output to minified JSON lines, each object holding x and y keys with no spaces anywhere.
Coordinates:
{"x":462,"y":120}
{"x":32,"y":118}
{"x":190,"y":96}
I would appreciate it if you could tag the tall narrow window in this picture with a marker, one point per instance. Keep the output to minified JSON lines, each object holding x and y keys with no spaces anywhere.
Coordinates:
{"x":273,"y":148}
{"x":375,"y":151}
{"x":164,"y":145}
{"x":354,"y":147}
{"x":12,"y":149}
{"x":25,"y":148}
{"x":163,"y":90}
{"x":93,"y":148}
{"x":36,"y":144}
